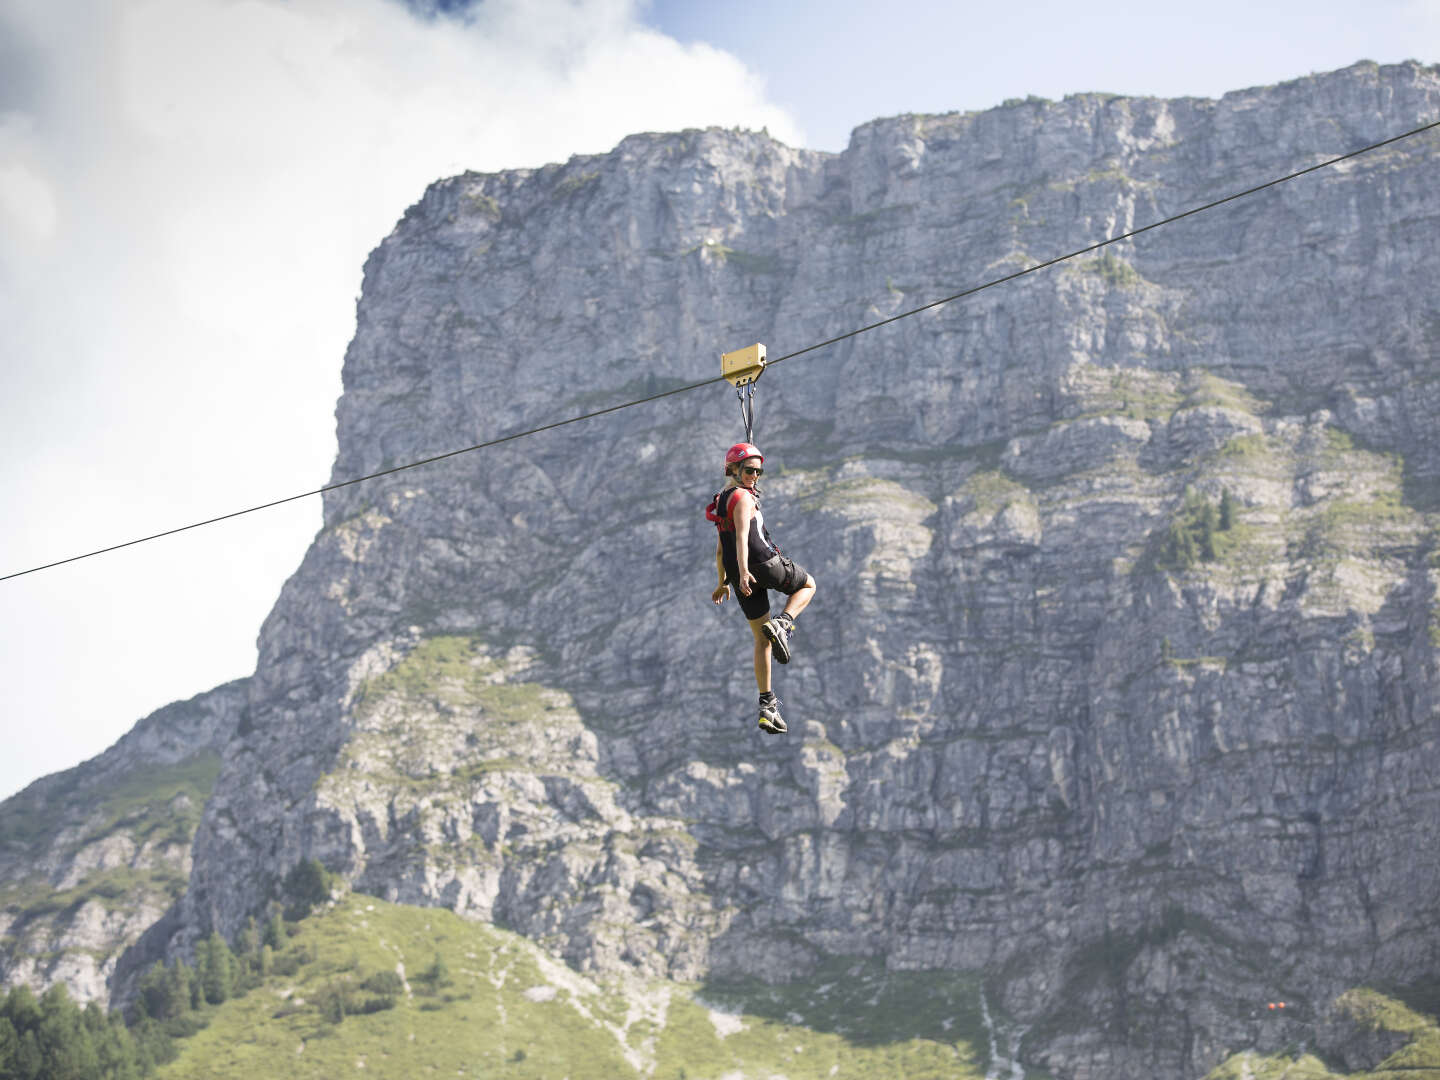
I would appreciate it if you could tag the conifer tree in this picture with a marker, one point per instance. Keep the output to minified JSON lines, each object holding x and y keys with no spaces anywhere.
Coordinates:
{"x":9,"y":1046}
{"x":117,"y":1051}
{"x":93,"y":1017}
{"x":1207,"y":532}
{"x":152,"y":997}
{"x":187,"y":986}
{"x":1180,"y":549}
{"x":163,"y":993}
{"x":216,"y":965}
{"x":67,"y":1047}
{"x":153,"y":1046}
{"x":247,"y":944}
{"x":307,"y":885}
{"x":29,"y":1065}
{"x":332,"y":1003}
{"x":1227,"y":510}
{"x":22,"y":1009}
{"x":438,"y":973}
{"x":275,"y":935}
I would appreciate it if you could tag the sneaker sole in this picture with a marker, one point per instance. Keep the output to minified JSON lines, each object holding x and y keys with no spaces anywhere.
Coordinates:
{"x":778,"y":645}
{"x":772,"y":728}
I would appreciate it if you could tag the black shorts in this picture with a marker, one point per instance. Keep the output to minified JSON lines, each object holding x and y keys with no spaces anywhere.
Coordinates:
{"x":781,"y":573}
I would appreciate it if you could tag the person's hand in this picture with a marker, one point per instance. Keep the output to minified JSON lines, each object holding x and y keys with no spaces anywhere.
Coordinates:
{"x":747,"y":582}
{"x":720,"y":594}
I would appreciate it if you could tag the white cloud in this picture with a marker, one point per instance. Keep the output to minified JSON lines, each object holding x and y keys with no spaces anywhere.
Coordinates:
{"x":188,"y":189}
{"x":26,"y":203}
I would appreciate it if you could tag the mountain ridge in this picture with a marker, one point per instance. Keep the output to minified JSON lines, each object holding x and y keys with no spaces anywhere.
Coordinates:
{"x":1035,"y":734}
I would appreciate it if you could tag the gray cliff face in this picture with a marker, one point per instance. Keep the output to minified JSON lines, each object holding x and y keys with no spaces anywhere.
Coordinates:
{"x":1037,"y":729}
{"x":91,"y":858}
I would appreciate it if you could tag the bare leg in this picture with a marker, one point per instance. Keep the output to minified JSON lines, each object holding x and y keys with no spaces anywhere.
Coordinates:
{"x":801,"y":597}
{"x":762,"y":653}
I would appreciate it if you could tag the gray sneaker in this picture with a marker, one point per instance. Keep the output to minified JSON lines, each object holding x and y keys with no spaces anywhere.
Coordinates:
{"x":771,"y":721}
{"x":778,"y":631}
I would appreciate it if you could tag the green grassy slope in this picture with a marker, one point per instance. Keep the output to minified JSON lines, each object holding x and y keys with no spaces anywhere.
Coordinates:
{"x":506,"y":1009}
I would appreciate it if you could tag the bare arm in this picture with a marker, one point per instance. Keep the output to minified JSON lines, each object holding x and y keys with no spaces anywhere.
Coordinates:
{"x":744,"y":511}
{"x":722,"y":590}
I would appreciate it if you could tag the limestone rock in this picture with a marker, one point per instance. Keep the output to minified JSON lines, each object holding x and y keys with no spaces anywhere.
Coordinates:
{"x":1132,"y":784}
{"x":1051,"y":719}
{"x":92,"y":858}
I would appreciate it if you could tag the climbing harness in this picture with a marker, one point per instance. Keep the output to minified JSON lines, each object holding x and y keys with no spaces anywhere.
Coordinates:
{"x":742,"y":369}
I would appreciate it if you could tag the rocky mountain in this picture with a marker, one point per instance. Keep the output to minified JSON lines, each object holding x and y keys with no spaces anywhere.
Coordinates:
{"x":93,"y":857}
{"x":1119,"y":690}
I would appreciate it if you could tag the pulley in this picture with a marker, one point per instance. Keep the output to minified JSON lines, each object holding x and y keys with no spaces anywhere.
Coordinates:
{"x":742,"y":369}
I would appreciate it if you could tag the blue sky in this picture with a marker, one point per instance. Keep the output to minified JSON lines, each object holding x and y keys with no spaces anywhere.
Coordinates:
{"x":833,"y":66}
{"x":188,"y":190}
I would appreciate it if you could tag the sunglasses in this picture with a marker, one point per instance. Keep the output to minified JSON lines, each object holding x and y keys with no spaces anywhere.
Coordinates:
{"x":750,"y":470}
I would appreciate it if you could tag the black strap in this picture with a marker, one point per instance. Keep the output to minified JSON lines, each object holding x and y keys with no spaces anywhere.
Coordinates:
{"x":746,"y":394}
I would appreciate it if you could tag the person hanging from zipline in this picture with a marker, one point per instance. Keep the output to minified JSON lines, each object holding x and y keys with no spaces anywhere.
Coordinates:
{"x":755,"y":566}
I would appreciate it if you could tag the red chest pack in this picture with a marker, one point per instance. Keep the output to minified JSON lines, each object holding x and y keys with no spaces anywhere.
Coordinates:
{"x":719,"y":507}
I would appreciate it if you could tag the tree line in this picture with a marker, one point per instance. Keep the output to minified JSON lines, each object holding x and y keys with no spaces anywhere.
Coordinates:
{"x":51,"y":1037}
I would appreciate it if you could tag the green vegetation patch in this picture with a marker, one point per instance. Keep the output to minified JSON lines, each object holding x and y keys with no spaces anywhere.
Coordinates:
{"x":442,"y":719}
{"x":992,"y":491}
{"x":1202,"y":531}
{"x":1203,"y":388}
{"x":53,"y":1038}
{"x":158,"y":805}
{"x":449,"y":669}
{"x":1111,"y":269}
{"x":1111,"y":175}
{"x":1116,"y":175}
{"x":1377,"y":516}
{"x":1338,"y":441}
{"x":117,"y":889}
{"x":1252,"y":1066}
{"x":455,"y":671}
{"x":870,"y":494}
{"x":145,"y":801}
{"x":571,"y":184}
{"x":1247,"y":448}
{"x":483,"y":204}
{"x":748,"y":262}
{"x":1386,"y":508}
{"x":449,"y":998}
{"x":462,"y":998}
{"x":170,"y":797}
{"x":1136,"y":393}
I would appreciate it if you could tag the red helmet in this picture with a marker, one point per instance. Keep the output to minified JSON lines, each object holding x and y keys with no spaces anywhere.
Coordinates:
{"x":742,"y":450}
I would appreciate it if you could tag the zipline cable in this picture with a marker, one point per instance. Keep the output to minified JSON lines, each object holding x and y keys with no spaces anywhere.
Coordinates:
{"x":720,"y":378}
